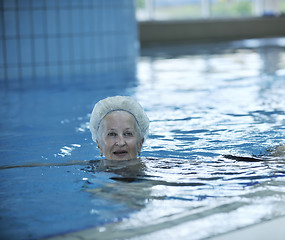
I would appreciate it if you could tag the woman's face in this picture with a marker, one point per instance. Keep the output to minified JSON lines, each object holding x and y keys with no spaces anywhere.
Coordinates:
{"x":120,"y":138}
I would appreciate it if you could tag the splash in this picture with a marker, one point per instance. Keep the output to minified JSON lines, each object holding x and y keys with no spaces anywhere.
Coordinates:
{"x":66,"y":150}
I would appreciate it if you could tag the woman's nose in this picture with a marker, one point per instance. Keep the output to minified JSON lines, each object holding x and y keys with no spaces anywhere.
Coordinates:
{"x":121,"y":140}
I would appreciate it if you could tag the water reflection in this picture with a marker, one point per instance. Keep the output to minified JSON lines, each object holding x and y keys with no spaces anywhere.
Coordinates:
{"x":202,"y":101}
{"x":236,"y":94}
{"x":188,"y":195}
{"x":272,"y":60}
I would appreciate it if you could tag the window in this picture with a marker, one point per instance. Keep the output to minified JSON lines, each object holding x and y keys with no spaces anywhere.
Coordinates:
{"x":196,"y":9}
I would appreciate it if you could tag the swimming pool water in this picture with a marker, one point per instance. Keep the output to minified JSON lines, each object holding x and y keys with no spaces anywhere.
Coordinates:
{"x":203,"y":101}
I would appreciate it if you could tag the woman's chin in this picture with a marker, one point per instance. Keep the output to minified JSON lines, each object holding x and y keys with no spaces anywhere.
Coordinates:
{"x":115,"y":162}
{"x":121,"y":158}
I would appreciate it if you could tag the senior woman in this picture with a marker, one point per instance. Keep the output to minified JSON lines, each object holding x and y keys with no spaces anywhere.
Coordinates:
{"x":119,"y":126}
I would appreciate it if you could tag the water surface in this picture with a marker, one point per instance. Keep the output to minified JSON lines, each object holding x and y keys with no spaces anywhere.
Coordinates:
{"x":203,"y":101}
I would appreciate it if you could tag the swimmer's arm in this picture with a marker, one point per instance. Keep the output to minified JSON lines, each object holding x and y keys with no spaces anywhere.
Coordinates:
{"x":279,"y":151}
{"x":244,"y":159}
{"x":276,"y":152}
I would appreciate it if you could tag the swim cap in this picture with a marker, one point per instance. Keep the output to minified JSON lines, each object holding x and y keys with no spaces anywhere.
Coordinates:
{"x":118,"y":103}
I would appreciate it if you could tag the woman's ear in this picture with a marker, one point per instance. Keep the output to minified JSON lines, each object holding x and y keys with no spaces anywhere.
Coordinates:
{"x":140,"y":144}
{"x":100,"y":149}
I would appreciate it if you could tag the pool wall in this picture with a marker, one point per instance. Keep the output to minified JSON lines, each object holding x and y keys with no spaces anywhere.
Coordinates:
{"x":210,"y":30}
{"x":50,"y":41}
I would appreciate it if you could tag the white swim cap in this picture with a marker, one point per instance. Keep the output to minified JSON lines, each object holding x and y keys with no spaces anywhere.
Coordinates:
{"x":118,"y":103}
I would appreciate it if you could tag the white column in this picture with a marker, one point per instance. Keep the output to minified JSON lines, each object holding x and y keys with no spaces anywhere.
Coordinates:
{"x":205,"y":8}
{"x":259,"y":7}
{"x":150,"y":9}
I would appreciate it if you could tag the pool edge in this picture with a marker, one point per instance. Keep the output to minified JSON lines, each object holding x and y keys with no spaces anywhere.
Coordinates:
{"x":271,"y":229}
{"x":261,"y":231}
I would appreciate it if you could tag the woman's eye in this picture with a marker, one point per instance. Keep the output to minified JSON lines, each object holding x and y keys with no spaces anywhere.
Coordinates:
{"x":111,"y":134}
{"x":129,"y":134}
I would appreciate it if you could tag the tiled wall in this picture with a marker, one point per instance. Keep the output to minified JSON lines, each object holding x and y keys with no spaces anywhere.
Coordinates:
{"x":50,"y":40}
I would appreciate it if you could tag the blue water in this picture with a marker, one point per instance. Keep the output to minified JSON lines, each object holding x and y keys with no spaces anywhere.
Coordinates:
{"x":202,"y":100}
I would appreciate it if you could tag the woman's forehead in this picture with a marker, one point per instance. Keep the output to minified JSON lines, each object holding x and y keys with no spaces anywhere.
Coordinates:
{"x":119,"y":119}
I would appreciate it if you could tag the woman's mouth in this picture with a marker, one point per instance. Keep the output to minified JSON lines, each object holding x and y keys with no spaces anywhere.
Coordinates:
{"x":120,"y":153}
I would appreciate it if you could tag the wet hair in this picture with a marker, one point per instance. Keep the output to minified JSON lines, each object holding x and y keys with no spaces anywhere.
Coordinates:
{"x":118,"y":103}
